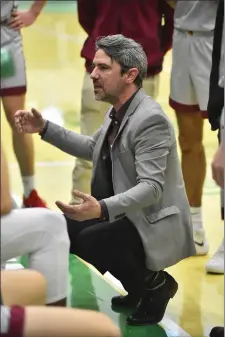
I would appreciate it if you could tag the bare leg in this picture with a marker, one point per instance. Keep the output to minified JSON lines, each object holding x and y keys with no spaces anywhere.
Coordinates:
{"x":23,"y":287}
{"x":194,"y":170}
{"x":24,"y":150}
{"x":68,"y":323}
{"x":22,"y":143}
{"x":42,"y":235}
{"x":193,"y":154}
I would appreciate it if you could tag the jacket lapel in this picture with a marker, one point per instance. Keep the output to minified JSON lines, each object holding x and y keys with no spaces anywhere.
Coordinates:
{"x":140,"y":95}
{"x":105,"y":130}
{"x":102,"y":137}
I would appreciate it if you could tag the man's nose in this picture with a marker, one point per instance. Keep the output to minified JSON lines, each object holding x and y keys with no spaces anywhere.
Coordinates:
{"x":94,"y":74}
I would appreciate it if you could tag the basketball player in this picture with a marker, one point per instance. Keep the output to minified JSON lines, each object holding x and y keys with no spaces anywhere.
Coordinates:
{"x":194,"y":23}
{"x":13,"y":90}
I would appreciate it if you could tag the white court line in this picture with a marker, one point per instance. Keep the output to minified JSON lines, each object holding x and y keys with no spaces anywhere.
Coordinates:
{"x":48,"y":164}
{"x":63,"y":163}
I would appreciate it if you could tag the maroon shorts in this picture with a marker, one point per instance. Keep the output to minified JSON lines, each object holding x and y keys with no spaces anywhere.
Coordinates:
{"x":15,"y":323}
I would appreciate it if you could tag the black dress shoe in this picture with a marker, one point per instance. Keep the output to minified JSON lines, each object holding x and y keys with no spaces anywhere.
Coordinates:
{"x":152,"y":305}
{"x":217,"y":332}
{"x":124,"y":302}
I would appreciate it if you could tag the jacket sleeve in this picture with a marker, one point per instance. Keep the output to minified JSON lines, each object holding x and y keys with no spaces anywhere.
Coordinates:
{"x":70,"y":142}
{"x":87,"y":10}
{"x":152,"y":144}
{"x":167,"y":29}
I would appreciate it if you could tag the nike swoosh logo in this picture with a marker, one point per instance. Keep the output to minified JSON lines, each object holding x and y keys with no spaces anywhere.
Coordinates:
{"x":199,"y":244}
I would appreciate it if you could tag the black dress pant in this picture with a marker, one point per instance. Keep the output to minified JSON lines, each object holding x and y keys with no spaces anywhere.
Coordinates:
{"x":115,"y":247}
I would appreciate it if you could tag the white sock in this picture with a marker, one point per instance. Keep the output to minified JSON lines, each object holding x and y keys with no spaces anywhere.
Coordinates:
{"x":28,"y":185}
{"x":195,"y":210}
{"x":196,"y":215}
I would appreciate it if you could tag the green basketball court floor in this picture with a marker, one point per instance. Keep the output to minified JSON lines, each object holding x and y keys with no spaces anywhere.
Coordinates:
{"x":87,"y":289}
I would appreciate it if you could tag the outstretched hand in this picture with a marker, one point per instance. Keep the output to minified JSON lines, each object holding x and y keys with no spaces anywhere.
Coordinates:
{"x":29,"y":121}
{"x":87,"y":210}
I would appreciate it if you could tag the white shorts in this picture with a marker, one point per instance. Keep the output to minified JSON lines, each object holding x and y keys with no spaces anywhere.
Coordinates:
{"x":42,"y":235}
{"x":191,"y":67}
{"x":16,"y":84}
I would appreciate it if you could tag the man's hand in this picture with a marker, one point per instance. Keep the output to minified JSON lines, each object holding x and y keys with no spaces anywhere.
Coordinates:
{"x":87,"y":210}
{"x":22,"y":19}
{"x":29,"y":121}
{"x":218,"y":166}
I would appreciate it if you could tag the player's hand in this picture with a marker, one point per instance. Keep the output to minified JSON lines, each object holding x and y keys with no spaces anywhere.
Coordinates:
{"x":218,"y":166}
{"x":29,"y":121}
{"x":87,"y":210}
{"x":21,"y":19}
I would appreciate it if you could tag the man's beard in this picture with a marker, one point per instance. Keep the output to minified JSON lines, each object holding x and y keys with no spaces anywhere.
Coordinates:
{"x":107,"y":98}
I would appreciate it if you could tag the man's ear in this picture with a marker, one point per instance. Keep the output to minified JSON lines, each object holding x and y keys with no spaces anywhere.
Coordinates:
{"x":131,"y":75}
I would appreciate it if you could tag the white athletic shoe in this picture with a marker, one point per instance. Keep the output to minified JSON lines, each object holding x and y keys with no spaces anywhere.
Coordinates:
{"x":216,"y":263}
{"x":201,"y":244}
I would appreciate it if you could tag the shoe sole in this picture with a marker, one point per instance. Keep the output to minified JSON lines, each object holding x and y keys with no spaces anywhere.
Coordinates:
{"x":172,"y":294}
{"x":214,"y":271}
{"x":123,"y":308}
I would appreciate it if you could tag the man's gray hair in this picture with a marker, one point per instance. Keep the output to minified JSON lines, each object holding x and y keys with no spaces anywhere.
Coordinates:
{"x":128,"y":53}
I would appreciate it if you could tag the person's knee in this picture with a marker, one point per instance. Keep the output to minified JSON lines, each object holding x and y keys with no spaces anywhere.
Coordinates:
{"x":10,"y":118}
{"x":190,"y":143}
{"x":23,"y":287}
{"x":39,"y":283}
{"x":11,"y":104}
{"x":190,"y":127}
{"x":55,"y":224}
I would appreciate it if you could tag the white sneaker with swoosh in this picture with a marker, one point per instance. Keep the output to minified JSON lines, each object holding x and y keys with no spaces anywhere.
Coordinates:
{"x":201,"y":244}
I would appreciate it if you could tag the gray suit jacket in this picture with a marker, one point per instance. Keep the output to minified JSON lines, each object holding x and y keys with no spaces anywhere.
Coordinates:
{"x":147,"y":178}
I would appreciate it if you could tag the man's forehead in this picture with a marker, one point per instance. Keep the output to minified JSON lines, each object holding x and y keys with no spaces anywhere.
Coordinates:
{"x":101,"y":57}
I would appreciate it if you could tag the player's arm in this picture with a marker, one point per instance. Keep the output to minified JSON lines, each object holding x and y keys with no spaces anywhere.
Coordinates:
{"x":37,"y":7}
{"x":26,"y":18}
{"x":5,"y":198}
